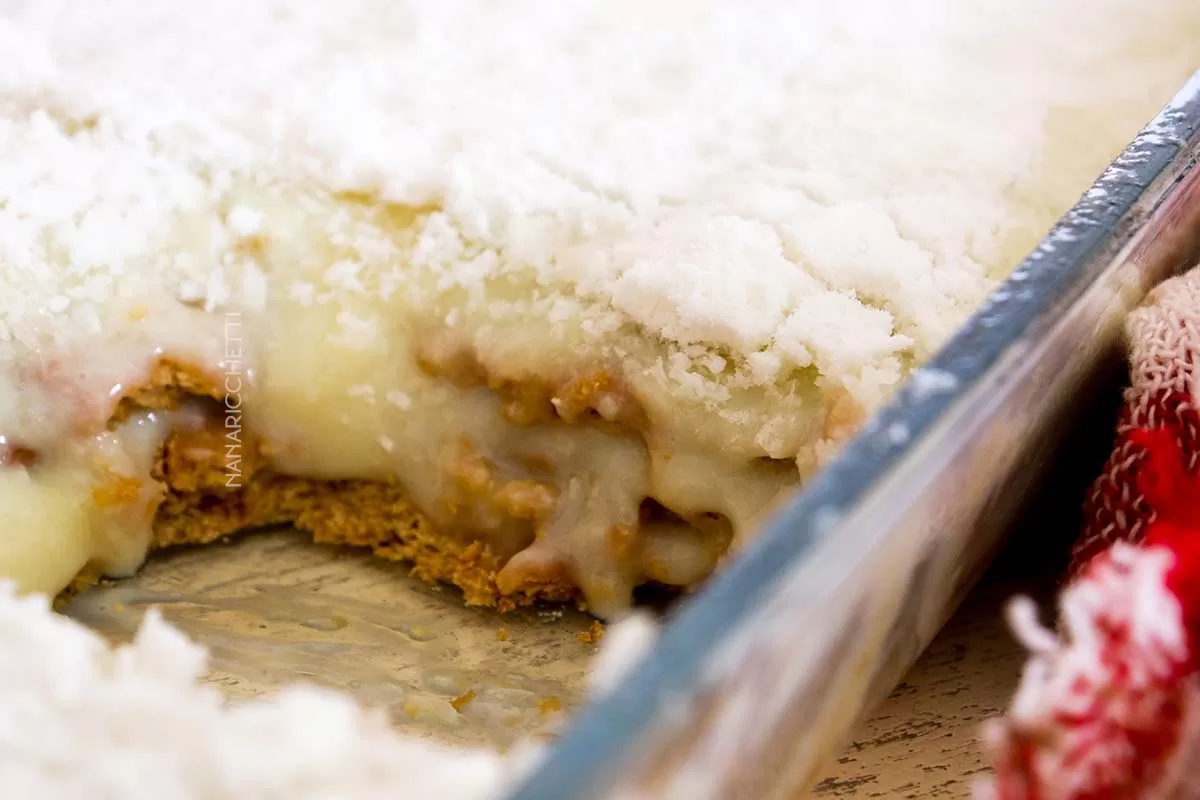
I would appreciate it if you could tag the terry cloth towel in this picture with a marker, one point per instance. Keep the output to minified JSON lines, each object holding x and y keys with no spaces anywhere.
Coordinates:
{"x":1110,"y":707}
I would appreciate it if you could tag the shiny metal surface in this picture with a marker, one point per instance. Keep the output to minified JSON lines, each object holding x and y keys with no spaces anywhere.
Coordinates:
{"x":273,"y":608}
{"x":760,"y":677}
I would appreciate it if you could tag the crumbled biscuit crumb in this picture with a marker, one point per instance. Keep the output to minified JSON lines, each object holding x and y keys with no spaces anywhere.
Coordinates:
{"x":593,"y":634}
{"x":463,"y":700}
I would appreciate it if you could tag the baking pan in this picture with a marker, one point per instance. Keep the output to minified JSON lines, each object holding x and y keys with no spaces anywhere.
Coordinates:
{"x":759,"y":678}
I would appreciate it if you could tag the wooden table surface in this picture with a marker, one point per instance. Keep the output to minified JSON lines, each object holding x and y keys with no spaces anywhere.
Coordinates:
{"x":923,"y":740}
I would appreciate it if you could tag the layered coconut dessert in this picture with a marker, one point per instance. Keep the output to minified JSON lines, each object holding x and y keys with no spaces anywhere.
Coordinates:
{"x":549,"y":300}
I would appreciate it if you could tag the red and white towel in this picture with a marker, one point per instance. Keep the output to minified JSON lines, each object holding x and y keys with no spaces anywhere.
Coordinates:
{"x":1110,"y":706}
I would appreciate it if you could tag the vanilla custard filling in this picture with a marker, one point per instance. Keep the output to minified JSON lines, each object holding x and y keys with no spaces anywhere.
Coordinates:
{"x":90,"y":503}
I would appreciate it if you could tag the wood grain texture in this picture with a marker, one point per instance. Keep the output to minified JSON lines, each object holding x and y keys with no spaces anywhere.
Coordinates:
{"x":923,"y":740}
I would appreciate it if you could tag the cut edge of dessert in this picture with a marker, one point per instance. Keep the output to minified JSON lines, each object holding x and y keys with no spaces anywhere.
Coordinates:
{"x":511,"y":456}
{"x":187,"y":457}
{"x":283,"y":354}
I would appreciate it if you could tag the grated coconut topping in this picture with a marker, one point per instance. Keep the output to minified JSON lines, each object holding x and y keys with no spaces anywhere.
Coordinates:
{"x":789,"y":185}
